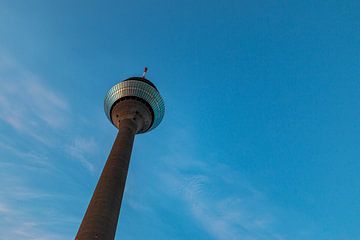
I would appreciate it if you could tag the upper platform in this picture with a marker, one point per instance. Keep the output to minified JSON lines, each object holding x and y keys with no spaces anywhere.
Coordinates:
{"x":140,"y":88}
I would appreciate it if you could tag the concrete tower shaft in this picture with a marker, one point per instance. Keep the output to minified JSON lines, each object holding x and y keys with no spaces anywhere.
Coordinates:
{"x":101,"y":217}
{"x":133,"y":106}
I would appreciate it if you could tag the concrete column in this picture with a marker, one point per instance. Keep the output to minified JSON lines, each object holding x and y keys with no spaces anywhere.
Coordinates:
{"x":101,"y":217}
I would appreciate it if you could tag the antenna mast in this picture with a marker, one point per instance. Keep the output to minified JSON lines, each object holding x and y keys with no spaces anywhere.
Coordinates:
{"x":145,"y":71}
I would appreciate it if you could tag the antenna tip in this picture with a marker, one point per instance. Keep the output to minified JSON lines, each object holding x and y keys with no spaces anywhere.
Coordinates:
{"x":145,"y":71}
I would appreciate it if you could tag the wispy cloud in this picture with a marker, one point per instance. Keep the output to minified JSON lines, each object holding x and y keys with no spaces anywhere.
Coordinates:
{"x":4,"y":208}
{"x":18,"y":220}
{"x":226,"y":210}
{"x":32,"y":109}
{"x":219,"y":199}
{"x":26,"y":104}
{"x":17,"y":223}
{"x":81,"y":149}
{"x":34,"y":116}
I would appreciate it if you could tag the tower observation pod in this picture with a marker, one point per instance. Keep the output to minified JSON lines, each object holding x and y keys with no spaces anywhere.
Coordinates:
{"x":133,"y":106}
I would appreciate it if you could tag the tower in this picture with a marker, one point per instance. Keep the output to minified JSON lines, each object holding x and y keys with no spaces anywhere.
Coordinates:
{"x":133,"y":106}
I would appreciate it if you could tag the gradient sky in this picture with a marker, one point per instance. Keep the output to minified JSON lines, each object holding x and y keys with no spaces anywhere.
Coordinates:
{"x":260,"y":139}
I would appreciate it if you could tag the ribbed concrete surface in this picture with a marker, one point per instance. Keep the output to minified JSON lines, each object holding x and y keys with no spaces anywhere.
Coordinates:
{"x":101,"y":217}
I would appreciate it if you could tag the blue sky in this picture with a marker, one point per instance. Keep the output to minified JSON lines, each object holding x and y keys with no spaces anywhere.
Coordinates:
{"x":260,"y":138}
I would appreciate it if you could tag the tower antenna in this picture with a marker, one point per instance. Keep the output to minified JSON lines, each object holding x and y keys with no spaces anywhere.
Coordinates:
{"x":145,"y":71}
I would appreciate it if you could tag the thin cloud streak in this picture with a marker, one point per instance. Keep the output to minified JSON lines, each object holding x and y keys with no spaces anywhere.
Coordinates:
{"x":38,"y":116}
{"x":219,"y":201}
{"x":81,"y":149}
{"x":218,"y":198}
{"x":34,"y":110}
{"x":19,"y":221}
{"x":224,"y":215}
{"x":17,"y":224}
{"x":26,"y":104}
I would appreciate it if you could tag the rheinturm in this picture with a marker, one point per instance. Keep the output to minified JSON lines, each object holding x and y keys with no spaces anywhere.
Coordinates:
{"x":133,"y":106}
